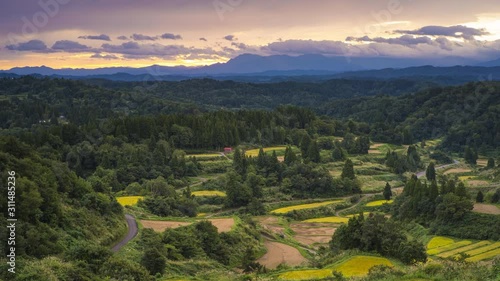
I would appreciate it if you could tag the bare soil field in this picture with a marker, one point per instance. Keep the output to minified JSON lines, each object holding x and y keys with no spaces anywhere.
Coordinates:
{"x":376,"y":145}
{"x":223,"y":225}
{"x":486,"y":209}
{"x":278,"y":253}
{"x":478,"y":183}
{"x":313,"y":233}
{"x":457,"y":170}
{"x":272,"y":224}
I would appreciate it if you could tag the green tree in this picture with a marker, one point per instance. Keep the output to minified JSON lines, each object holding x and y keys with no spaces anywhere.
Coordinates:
{"x":430,"y":173}
{"x":461,"y":191}
{"x":491,"y":163}
{"x":480,"y":197}
{"x":470,"y":156}
{"x":338,"y":152}
{"x":153,"y":261}
{"x":313,"y":152}
{"x":290,"y":156}
{"x":348,"y":170}
{"x":387,"y":191}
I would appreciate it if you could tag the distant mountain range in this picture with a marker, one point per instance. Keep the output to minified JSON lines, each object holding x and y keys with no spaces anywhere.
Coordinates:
{"x":271,"y":68}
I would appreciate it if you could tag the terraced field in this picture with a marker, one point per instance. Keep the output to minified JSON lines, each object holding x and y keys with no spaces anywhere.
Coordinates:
{"x":307,"y":274}
{"x":304,"y":206}
{"x":378,"y":203}
{"x":128,"y":200}
{"x":329,"y":220}
{"x":444,"y":247}
{"x":255,"y":152}
{"x":360,"y":265}
{"x":208,"y":193}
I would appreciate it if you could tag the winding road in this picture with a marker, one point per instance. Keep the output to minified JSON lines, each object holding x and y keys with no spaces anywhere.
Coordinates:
{"x":422,"y":173}
{"x":132,"y":232}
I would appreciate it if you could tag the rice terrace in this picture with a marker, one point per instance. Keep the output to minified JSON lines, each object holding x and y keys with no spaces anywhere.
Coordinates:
{"x":232,"y":140}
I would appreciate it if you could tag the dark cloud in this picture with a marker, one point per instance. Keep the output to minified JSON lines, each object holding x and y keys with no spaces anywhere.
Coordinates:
{"x":142,"y":37}
{"x":32,"y":45}
{"x":133,"y":50}
{"x":102,"y":37}
{"x":240,"y":46}
{"x":203,"y":39}
{"x":105,"y":57}
{"x":125,"y":46}
{"x":230,"y":37}
{"x":123,"y":37}
{"x":457,"y":31}
{"x":171,"y":36}
{"x":67,"y":45}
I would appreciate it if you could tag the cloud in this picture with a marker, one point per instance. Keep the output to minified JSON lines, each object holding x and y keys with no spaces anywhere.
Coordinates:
{"x":294,"y":47}
{"x":240,"y":46}
{"x":105,"y":57}
{"x":405,"y":40}
{"x":142,"y":37}
{"x":102,"y":37}
{"x":230,"y":38}
{"x":123,"y":37}
{"x":133,"y":50}
{"x":203,"y":39}
{"x":67,"y":45}
{"x":32,"y":45}
{"x":171,"y":36}
{"x":457,"y":31}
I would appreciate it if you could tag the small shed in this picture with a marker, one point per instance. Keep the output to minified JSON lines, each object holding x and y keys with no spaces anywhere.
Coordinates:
{"x":228,"y":150}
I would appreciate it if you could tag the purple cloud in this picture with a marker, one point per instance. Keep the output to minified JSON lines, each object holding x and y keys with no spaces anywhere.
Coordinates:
{"x":32,"y":45}
{"x":171,"y":36}
{"x":105,"y":57}
{"x":123,"y":37}
{"x":230,"y":37}
{"x":240,"y":46}
{"x":457,"y":31}
{"x":405,"y":40}
{"x":102,"y":37}
{"x":67,"y":45}
{"x":142,"y":37}
{"x":203,"y":39}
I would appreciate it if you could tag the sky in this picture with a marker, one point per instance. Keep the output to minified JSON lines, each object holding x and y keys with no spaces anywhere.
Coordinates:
{"x":137,"y":33}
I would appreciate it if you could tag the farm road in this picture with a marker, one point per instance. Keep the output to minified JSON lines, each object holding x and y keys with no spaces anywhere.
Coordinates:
{"x":422,"y":173}
{"x":132,"y":232}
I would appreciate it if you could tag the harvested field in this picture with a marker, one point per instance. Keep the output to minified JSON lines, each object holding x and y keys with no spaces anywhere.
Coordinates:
{"x":486,"y":209}
{"x":457,"y":171}
{"x":476,"y":183}
{"x":482,"y":162}
{"x":160,"y":226}
{"x":223,"y":225}
{"x":374,"y":151}
{"x":376,"y":145}
{"x":312,"y":233}
{"x":278,"y":253}
{"x":255,"y":152}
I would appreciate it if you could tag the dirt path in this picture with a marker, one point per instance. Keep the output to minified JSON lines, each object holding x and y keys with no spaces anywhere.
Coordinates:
{"x":486,"y":209}
{"x":278,"y":253}
{"x":422,"y":173}
{"x":132,"y":232}
{"x":337,"y":213}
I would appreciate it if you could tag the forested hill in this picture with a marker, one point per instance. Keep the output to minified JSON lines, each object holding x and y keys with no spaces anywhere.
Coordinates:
{"x":397,"y":111}
{"x":464,"y":115}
